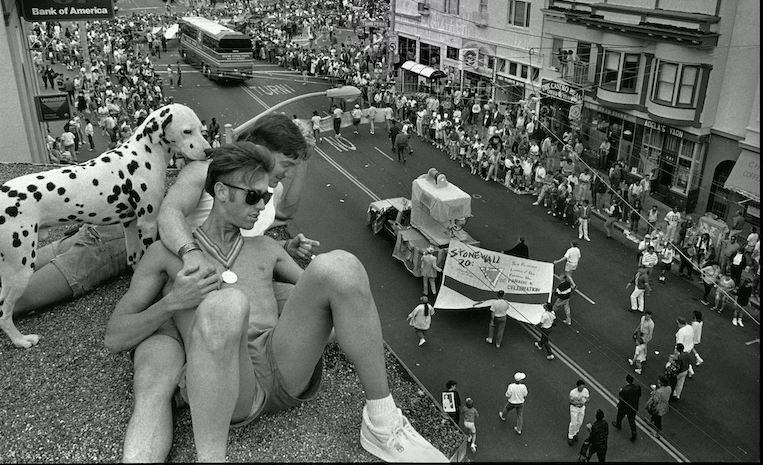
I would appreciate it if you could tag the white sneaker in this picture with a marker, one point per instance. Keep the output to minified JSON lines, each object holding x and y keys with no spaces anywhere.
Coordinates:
{"x":474,"y":448}
{"x":422,"y":341}
{"x":734,"y":321}
{"x":739,"y":322}
{"x":400,"y":443}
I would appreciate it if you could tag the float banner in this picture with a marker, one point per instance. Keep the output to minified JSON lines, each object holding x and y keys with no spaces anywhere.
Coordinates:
{"x":67,"y":10}
{"x":473,"y":274}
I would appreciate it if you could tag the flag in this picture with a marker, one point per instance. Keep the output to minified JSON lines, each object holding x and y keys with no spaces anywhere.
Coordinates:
{"x":473,"y":274}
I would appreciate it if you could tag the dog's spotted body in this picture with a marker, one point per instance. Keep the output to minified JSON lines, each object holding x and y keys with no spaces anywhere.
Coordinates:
{"x":122,"y":186}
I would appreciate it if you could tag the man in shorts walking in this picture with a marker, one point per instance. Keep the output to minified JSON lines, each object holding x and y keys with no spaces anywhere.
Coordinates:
{"x":571,"y":258}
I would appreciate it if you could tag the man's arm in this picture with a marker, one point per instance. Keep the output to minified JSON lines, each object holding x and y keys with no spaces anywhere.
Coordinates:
{"x":286,"y":269}
{"x":138,"y":314}
{"x":180,"y":201}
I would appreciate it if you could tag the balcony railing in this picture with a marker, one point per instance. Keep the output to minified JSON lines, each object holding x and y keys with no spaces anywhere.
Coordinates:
{"x":576,"y":72}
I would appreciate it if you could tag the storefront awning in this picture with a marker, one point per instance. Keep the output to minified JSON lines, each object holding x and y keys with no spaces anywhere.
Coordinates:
{"x":745,"y":177}
{"x":423,"y":70}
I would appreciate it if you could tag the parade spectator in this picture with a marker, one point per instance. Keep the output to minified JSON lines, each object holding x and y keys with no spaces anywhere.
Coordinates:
{"x":652,"y":217}
{"x":578,"y":398}
{"x":421,"y":319}
{"x":650,"y":258}
{"x":499,"y":308}
{"x":639,"y":355}
{"x":743,"y":294}
{"x":727,"y":249}
{"x":673,"y":218}
{"x":723,"y":289}
{"x":612,"y":213}
{"x":645,"y":330}
{"x":516,"y":393}
{"x":666,"y":261}
{"x":738,"y":263}
{"x":627,"y":405}
{"x":709,"y":274}
{"x":736,"y":223}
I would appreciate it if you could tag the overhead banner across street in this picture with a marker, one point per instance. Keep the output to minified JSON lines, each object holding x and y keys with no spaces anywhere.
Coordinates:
{"x":473,"y":274}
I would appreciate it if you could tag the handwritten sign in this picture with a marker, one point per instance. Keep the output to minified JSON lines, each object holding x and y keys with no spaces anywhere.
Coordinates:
{"x":472,"y":275}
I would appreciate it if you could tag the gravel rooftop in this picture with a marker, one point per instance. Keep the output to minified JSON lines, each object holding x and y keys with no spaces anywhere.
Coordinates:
{"x":68,"y":400}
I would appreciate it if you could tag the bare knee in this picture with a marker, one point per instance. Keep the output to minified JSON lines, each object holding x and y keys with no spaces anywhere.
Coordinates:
{"x":340,"y":271}
{"x":158,"y":364}
{"x":220,"y":319}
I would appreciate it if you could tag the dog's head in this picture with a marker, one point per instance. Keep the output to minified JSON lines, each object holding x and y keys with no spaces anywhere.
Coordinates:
{"x":178,"y":129}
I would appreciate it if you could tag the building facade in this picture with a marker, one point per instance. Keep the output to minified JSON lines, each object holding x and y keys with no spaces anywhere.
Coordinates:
{"x":668,"y":87}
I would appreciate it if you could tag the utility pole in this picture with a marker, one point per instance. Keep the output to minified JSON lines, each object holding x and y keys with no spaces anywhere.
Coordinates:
{"x":391,"y":36}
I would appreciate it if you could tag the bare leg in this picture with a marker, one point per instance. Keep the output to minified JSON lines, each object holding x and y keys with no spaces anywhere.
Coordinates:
{"x":47,"y":286}
{"x":333,"y":291}
{"x":220,"y":376}
{"x":158,"y":364}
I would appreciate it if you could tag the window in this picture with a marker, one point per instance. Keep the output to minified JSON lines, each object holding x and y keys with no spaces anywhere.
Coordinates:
{"x":556,"y":49}
{"x":630,"y":72}
{"x":535,"y":73}
{"x":451,"y":7}
{"x":519,"y":13}
{"x":525,"y":70}
{"x":584,"y":52}
{"x":688,"y":86}
{"x":512,"y":68}
{"x":483,"y":8}
{"x":676,"y":84}
{"x":451,"y":53}
{"x":666,"y":81}
{"x":610,"y":69}
{"x":429,"y":55}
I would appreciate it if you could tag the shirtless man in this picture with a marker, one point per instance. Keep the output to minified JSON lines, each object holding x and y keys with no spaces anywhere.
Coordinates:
{"x":243,"y":358}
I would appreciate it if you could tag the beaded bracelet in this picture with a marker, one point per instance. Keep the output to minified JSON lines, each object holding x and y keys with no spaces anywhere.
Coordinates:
{"x":193,"y":245}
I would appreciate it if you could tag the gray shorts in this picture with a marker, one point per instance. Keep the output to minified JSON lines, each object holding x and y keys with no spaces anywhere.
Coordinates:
{"x":97,"y":255}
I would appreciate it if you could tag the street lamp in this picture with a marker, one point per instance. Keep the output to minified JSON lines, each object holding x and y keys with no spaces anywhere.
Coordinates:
{"x":348,"y":93}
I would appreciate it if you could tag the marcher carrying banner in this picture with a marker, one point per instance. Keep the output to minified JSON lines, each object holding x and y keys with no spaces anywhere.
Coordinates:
{"x":472,"y":274}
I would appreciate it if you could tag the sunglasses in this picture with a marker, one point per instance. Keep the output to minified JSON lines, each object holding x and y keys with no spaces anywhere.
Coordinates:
{"x":252,"y":197}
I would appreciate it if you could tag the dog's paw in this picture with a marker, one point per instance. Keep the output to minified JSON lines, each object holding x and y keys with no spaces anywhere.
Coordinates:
{"x":27,"y":341}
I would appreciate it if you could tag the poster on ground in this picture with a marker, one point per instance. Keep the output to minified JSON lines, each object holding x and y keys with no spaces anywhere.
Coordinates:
{"x":473,"y":274}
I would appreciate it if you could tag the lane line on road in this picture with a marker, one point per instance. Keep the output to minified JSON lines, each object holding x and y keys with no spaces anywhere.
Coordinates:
{"x":254,"y":97}
{"x":382,"y":152}
{"x":348,"y":175}
{"x":609,"y":396}
{"x":579,"y":293}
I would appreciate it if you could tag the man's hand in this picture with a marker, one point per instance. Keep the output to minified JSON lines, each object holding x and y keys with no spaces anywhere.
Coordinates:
{"x":301,"y":247}
{"x":195,"y":260}
{"x":192,"y":285}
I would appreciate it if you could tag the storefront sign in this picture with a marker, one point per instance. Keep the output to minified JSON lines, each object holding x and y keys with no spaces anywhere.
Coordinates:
{"x":52,"y":107}
{"x":561,"y":91}
{"x":67,"y":10}
{"x":374,"y":24}
{"x":607,"y":111}
{"x":662,"y":128}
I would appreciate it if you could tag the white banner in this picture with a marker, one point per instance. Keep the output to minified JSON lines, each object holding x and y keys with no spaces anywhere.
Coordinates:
{"x":473,"y":274}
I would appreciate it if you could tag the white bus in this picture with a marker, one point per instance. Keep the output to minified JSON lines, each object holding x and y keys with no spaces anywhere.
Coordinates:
{"x":222,"y":53}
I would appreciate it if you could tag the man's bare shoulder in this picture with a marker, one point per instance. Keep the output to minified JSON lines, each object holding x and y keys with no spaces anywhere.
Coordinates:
{"x":158,"y":257}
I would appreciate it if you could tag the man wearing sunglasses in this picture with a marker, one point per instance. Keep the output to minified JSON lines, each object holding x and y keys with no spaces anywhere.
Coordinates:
{"x":245,"y":357}
{"x":158,"y":359}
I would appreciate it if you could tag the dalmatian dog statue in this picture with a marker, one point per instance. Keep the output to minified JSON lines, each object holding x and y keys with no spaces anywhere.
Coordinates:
{"x":124,"y":185}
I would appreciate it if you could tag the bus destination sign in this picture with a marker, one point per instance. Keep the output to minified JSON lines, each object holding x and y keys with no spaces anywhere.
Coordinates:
{"x":67,"y":10}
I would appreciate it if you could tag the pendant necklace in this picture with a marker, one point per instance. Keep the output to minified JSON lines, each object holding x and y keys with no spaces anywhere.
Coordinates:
{"x":227,"y":260}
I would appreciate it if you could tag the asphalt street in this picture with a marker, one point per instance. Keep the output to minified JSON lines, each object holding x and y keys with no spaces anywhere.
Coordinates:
{"x":717,"y":418}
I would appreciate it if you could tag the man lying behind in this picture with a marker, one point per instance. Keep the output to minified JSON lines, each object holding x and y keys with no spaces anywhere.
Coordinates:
{"x":243,"y":359}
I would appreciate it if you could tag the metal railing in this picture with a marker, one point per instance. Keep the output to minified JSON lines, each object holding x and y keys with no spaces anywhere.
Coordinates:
{"x":576,"y":72}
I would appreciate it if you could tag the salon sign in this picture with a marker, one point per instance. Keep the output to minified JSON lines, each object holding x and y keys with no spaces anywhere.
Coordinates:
{"x":561,"y":91}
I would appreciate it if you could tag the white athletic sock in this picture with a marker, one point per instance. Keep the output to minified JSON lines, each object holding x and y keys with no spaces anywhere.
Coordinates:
{"x":382,"y":412}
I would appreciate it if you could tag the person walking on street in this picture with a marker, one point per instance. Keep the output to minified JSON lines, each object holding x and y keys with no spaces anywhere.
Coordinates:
{"x":578,"y":397}
{"x":421,"y":318}
{"x":645,"y":329}
{"x":89,"y":132}
{"x":337,"y":112}
{"x":571,"y":258}
{"x":316,"y":125}
{"x":179,"y":73}
{"x":515,"y":399}
{"x":658,"y":404}
{"x":356,"y":115}
{"x":545,"y":326}
{"x":584,"y":216}
{"x":639,"y":355}
{"x":401,"y":144}
{"x":641,"y":288}
{"x":499,"y":309}
{"x":627,"y":405}
{"x":563,"y":292}
{"x":470,"y":423}
{"x":372,"y":110}
{"x":598,"y":438}
{"x":429,"y":270}
{"x":683,"y":360}
{"x":666,"y":261}
{"x":696,"y":326}
{"x":451,"y":401}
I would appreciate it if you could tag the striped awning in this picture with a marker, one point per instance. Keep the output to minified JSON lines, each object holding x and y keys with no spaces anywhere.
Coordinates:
{"x":423,"y":70}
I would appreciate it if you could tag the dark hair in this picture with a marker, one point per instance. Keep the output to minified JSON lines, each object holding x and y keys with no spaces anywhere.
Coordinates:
{"x":580,"y":383}
{"x":277,"y":133}
{"x":680,"y":347}
{"x":697,"y":315}
{"x":648,"y":312}
{"x":663,"y":380}
{"x":241,"y":157}
{"x":599,"y":415}
{"x":450,"y":384}
{"x":500,"y":294}
{"x":629,"y":379}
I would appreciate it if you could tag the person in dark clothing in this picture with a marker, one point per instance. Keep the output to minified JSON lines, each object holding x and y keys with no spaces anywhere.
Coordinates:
{"x":628,"y":405}
{"x":598,"y":438}
{"x":519,"y":250}
{"x":450,"y":394}
{"x":393,"y":132}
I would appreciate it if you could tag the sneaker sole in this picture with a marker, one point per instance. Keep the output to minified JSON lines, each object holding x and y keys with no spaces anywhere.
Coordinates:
{"x":373,"y":449}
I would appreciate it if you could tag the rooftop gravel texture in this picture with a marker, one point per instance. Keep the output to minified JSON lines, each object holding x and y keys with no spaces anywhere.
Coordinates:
{"x":68,"y":400}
